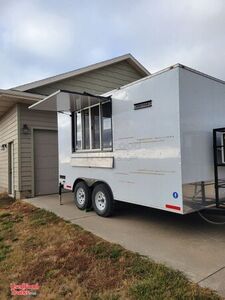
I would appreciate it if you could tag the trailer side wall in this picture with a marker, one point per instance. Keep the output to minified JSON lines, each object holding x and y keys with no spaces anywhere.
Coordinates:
{"x":146,"y":146}
{"x":202,"y":108}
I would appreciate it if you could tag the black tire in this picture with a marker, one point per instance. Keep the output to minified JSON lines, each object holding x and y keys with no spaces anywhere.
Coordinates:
{"x":82,"y":195}
{"x":102,"y":200}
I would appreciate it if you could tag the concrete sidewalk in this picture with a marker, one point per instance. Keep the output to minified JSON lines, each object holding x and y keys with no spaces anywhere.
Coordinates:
{"x":186,"y":243}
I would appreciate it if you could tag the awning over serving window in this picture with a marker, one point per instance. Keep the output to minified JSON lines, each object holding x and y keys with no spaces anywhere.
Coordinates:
{"x":68,"y":101}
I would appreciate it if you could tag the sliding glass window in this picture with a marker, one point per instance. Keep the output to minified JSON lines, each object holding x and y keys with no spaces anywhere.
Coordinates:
{"x":93,"y":128}
{"x":86,"y":129}
{"x":107,"y":125}
{"x":78,"y":132}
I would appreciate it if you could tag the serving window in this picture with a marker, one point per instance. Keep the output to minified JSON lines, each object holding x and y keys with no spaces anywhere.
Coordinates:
{"x":92,"y":128}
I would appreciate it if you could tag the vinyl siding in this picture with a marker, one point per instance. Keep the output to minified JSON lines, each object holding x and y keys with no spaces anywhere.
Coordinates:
{"x":33,"y":119}
{"x":98,"y":82}
{"x":8,"y":133}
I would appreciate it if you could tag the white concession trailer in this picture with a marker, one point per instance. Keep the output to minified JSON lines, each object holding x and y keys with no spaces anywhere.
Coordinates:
{"x":149,"y":142}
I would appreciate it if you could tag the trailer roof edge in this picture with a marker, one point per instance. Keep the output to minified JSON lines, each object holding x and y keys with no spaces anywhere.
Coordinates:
{"x":177,"y":65}
{"x":201,"y":73}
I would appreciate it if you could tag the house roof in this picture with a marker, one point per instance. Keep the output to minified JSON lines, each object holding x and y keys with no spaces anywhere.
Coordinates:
{"x":127,"y":57}
{"x":8,"y":98}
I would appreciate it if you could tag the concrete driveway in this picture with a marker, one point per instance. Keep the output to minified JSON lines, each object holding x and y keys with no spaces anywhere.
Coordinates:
{"x":186,"y":243}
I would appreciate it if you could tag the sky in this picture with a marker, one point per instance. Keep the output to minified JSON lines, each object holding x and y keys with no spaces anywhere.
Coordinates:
{"x":41,"y":38}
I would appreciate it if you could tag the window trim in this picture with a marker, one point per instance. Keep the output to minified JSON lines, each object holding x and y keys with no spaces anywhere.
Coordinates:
{"x":73,"y":137}
{"x":74,"y":120}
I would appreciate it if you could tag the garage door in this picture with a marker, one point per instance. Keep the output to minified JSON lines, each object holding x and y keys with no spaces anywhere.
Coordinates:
{"x":45,"y":162}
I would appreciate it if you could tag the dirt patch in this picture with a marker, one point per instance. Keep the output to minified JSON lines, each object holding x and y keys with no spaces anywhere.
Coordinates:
{"x":5,"y":200}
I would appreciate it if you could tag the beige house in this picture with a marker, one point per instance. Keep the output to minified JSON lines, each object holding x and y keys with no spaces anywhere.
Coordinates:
{"x":28,"y":139}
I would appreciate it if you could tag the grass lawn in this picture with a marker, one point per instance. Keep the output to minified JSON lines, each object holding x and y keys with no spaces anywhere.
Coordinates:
{"x":68,"y":262}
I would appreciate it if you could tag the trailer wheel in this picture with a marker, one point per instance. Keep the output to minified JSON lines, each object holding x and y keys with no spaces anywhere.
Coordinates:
{"x":102,"y":200}
{"x":82,"y":195}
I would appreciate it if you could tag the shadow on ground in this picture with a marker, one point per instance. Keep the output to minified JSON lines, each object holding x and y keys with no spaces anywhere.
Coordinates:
{"x":185,"y":222}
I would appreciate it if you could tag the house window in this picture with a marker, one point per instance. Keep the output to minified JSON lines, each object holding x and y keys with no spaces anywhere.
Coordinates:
{"x":93,"y":128}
